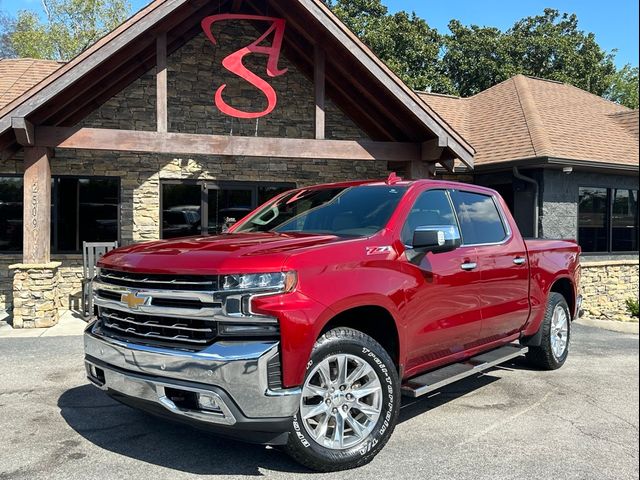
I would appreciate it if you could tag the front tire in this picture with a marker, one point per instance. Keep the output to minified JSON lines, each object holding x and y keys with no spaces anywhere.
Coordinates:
{"x":349,"y":405}
{"x":556,"y":334}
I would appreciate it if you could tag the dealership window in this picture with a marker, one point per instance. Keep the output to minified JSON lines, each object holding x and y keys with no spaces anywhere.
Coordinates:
{"x":83,"y":209}
{"x":192,"y":208}
{"x":608,"y":220}
{"x":10,"y":214}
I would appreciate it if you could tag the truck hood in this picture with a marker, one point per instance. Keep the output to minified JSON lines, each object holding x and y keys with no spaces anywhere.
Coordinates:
{"x":215,"y":255}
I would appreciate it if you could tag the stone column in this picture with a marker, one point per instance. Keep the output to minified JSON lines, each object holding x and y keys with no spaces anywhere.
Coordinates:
{"x":36,"y":296}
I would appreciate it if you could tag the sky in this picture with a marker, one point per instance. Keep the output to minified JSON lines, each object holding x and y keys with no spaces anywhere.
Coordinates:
{"x":614,"y":22}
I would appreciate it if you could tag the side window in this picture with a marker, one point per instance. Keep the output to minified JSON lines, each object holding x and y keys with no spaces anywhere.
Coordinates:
{"x":432,"y":208}
{"x":479,"y":218}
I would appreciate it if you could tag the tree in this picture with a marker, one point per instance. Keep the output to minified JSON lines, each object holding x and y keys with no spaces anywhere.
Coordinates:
{"x":547,"y":46}
{"x":69,"y":28}
{"x":624,"y":87}
{"x":404,"y":41}
{"x":6,"y":26}
{"x":552,"y":46}
{"x":476,"y":58}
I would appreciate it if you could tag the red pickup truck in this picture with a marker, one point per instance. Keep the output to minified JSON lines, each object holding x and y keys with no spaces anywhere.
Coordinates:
{"x":305,"y":323}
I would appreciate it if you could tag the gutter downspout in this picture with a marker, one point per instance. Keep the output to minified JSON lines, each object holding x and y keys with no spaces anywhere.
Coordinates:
{"x":536,"y":195}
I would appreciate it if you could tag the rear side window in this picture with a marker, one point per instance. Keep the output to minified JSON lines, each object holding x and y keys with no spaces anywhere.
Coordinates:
{"x":479,"y":218}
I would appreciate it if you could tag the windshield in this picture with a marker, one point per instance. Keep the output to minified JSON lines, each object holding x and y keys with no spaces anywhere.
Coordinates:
{"x":342,"y":211}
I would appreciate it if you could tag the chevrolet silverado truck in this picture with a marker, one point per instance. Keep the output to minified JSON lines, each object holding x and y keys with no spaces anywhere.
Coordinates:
{"x":305,"y":323}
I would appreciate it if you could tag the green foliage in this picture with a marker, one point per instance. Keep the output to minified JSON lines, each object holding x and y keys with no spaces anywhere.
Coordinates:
{"x":404,"y":41}
{"x":70,"y":27}
{"x":624,"y":87}
{"x":548,"y":46}
{"x":472,"y":58}
{"x":633,"y":306}
{"x":6,"y":26}
{"x":476,"y":58}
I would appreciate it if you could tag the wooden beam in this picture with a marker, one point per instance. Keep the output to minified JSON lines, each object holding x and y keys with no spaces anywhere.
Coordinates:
{"x":23,"y":130}
{"x":161,"y":83}
{"x":320,"y":87}
{"x":431,"y":150}
{"x":37,"y":206}
{"x":419,"y":169}
{"x":195,"y":144}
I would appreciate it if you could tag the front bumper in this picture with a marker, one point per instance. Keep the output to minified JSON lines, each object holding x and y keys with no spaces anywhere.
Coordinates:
{"x":231,"y":377}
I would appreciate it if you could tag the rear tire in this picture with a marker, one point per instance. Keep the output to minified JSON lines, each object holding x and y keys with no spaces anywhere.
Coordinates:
{"x":556,"y":335}
{"x":339,"y":425}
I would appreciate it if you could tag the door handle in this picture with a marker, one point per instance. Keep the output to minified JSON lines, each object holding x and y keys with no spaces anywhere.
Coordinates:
{"x":519,"y":260}
{"x":468,"y":266}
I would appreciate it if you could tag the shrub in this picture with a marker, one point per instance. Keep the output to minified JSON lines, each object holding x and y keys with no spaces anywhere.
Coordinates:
{"x":633,"y":306}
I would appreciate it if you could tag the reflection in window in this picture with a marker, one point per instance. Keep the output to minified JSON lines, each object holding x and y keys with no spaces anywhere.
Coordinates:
{"x":431,"y":209}
{"x":608,"y":220}
{"x":11,"y":214}
{"x":479,"y":218}
{"x":592,"y":219}
{"x":84,"y":210}
{"x":625,"y":221}
{"x":181,"y":210}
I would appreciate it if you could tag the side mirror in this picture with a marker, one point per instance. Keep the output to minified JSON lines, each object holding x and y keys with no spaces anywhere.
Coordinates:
{"x":437,"y":238}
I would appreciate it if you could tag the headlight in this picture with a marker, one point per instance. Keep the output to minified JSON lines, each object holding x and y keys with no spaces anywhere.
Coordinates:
{"x":268,"y":282}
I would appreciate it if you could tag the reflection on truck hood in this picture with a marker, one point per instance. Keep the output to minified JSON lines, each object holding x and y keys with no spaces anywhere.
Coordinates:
{"x":223,"y":254}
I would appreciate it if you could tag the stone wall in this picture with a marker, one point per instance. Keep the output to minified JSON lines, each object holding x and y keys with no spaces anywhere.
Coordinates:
{"x":194,"y":75}
{"x":606,"y":286}
{"x":36,"y":296}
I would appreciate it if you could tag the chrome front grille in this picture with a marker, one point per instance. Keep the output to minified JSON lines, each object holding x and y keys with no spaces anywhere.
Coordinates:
{"x":127,"y":326}
{"x":163,"y":310}
{"x":182,"y":282}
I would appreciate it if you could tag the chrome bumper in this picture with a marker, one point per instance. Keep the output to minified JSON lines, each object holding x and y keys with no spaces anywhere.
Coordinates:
{"x":238,"y":369}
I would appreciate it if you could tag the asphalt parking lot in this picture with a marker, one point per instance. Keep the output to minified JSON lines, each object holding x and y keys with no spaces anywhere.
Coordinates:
{"x":512,"y":423}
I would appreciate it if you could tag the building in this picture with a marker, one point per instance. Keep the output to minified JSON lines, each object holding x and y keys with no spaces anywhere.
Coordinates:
{"x":158,"y":130}
{"x":566,"y":161}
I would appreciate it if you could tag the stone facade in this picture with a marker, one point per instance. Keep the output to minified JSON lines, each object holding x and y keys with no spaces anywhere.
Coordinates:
{"x":606,"y":286}
{"x":194,"y":74}
{"x":36,"y":296}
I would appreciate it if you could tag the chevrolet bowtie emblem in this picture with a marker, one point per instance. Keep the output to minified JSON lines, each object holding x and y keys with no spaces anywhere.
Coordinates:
{"x":132,"y":300}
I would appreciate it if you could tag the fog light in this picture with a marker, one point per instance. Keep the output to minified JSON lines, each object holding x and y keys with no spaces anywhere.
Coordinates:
{"x":208,"y":403}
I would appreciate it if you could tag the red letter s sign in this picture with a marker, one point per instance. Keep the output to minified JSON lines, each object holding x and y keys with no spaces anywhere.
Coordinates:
{"x":234,"y":64}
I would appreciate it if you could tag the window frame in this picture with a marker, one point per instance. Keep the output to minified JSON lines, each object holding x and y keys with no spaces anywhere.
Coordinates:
{"x":609,"y":222}
{"x":505,"y":224}
{"x":447,"y":194}
{"x":205,"y":186}
{"x":15,"y":252}
{"x":54,"y":211}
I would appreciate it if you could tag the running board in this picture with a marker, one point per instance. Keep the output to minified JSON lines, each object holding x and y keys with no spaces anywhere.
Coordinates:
{"x":429,"y":382}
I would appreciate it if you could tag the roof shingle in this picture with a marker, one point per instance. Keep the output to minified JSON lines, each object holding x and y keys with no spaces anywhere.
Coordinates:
{"x":19,"y":75}
{"x":526,"y":117}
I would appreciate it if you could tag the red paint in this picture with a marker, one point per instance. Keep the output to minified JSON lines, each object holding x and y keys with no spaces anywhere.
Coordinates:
{"x":234,"y":62}
{"x":442,"y":314}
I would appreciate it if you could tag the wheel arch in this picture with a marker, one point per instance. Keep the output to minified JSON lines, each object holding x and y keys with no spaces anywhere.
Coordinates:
{"x":373,"y":320}
{"x":565,"y":287}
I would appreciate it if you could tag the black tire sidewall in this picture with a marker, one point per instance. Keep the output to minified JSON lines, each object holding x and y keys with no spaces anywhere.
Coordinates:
{"x":370,"y":351}
{"x":555,"y":300}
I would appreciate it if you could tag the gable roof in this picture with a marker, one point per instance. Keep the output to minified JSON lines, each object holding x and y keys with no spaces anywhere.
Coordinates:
{"x":21,"y":74}
{"x":353,"y":70}
{"x":531,"y":118}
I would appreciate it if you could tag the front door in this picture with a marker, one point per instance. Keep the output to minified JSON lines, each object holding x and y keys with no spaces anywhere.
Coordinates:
{"x":443,"y":305}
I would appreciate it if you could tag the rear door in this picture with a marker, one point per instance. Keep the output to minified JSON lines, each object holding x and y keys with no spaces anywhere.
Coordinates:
{"x":443,"y":304}
{"x":501,"y":264}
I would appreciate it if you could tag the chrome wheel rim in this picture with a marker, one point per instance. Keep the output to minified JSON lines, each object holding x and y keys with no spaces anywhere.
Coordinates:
{"x":559,"y":331}
{"x":341,"y":401}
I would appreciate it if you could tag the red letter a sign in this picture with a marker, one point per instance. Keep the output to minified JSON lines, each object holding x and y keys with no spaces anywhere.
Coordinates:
{"x":234,"y":64}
